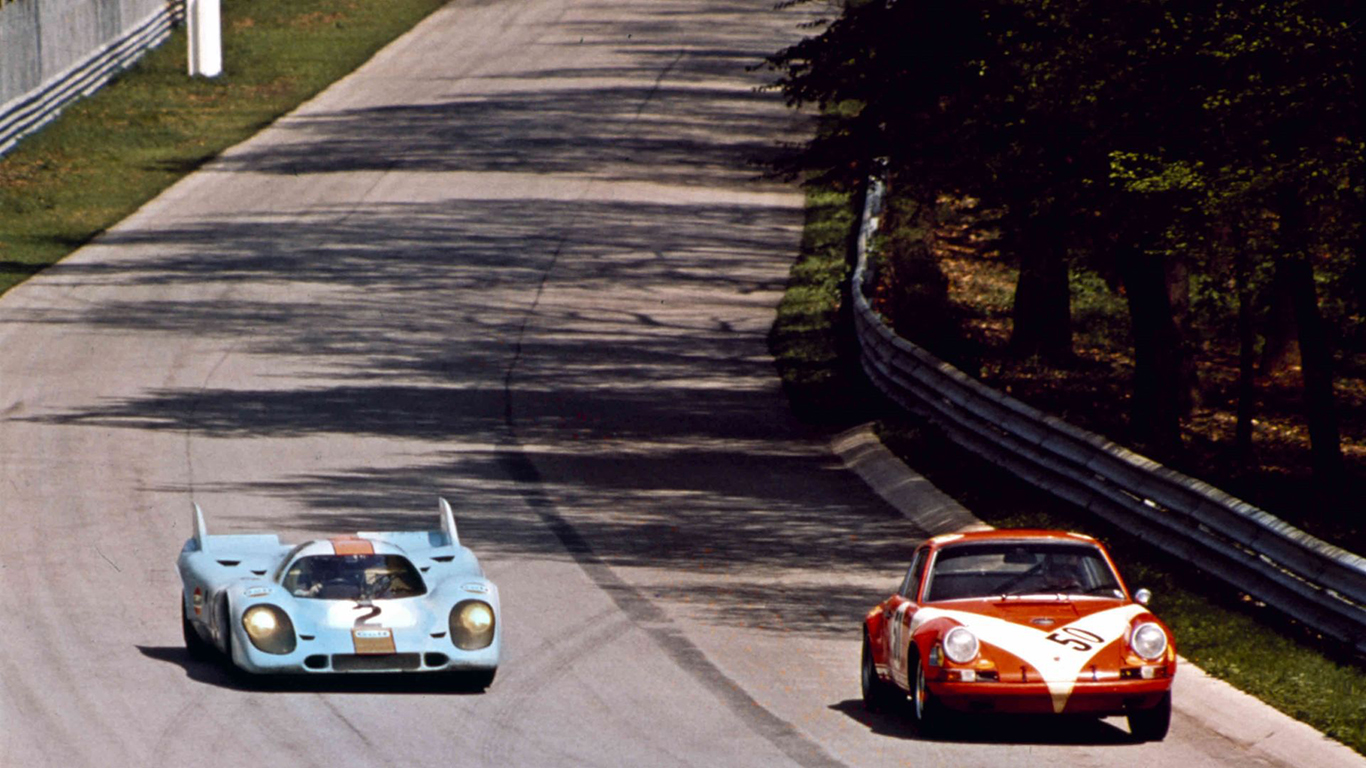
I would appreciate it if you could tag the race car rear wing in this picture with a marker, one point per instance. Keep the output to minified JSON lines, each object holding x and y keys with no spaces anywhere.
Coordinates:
{"x":441,"y":546}
{"x":238,"y":545}
{"x":259,"y":552}
{"x":445,"y":538}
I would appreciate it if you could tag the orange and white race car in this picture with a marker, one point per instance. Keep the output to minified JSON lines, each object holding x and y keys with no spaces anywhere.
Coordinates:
{"x":1018,"y":621}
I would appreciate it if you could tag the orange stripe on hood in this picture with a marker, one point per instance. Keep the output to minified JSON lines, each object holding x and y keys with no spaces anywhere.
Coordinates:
{"x":350,"y":545}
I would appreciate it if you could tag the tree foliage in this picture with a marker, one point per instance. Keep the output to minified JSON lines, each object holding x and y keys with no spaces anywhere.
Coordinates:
{"x":1205,"y":156}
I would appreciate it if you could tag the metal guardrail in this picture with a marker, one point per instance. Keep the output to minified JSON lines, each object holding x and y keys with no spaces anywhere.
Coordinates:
{"x":23,"y":29}
{"x":1316,"y":583}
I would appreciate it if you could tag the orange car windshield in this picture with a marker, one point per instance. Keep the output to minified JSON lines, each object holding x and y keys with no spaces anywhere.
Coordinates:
{"x":999,"y":569}
{"x":353,"y":577}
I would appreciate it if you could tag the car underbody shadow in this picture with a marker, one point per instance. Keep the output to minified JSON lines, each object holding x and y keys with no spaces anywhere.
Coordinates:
{"x":218,"y":672}
{"x":978,"y":728}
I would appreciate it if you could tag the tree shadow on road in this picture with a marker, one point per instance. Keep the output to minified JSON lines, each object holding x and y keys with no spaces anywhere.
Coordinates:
{"x":596,"y":312}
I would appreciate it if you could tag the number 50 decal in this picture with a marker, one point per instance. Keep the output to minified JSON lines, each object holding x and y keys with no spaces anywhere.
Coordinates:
{"x":897,"y":638}
{"x":1076,"y":639}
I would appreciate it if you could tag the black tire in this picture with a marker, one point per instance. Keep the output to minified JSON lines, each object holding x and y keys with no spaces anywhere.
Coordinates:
{"x":1151,"y":724}
{"x":878,"y":694}
{"x":225,"y":628}
{"x":198,"y":648}
{"x":925,"y":708}
{"x":478,"y":680}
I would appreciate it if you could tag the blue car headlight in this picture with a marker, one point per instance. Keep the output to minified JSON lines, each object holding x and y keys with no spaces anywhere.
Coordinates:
{"x":269,"y":629}
{"x":472,"y":625}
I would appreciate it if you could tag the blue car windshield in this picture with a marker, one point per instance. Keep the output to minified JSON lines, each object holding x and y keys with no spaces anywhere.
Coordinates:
{"x":353,"y":577}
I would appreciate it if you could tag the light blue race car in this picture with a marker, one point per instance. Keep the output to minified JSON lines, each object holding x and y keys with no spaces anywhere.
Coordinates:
{"x":400,"y":601}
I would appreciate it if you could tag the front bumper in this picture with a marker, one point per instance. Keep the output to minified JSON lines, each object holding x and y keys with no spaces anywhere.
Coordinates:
{"x":335,"y":652}
{"x":1090,"y":698}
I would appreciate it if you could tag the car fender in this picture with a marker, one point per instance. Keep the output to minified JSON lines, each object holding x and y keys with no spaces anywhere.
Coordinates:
{"x":452,"y":591}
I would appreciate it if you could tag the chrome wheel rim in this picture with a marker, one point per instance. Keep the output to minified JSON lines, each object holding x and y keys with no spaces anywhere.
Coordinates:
{"x":919,"y":693}
{"x":867,"y":668}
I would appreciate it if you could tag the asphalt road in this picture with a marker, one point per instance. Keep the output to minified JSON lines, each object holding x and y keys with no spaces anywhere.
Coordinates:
{"x":524,"y":259}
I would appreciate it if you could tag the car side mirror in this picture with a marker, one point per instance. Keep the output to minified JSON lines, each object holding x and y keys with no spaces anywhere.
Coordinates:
{"x":1142,"y":596}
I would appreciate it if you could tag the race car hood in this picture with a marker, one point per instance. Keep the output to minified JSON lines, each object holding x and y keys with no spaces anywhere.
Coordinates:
{"x":347,"y":614}
{"x":1056,"y":640}
{"x":1032,"y":610}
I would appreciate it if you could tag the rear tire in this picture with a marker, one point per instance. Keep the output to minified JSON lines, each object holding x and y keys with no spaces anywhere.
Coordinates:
{"x":198,"y":648}
{"x":929,"y":713}
{"x":878,"y":694}
{"x":1151,"y":724}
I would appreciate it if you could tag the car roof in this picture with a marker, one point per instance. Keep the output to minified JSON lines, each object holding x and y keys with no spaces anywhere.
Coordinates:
{"x":1012,"y":534}
{"x":344,"y":545}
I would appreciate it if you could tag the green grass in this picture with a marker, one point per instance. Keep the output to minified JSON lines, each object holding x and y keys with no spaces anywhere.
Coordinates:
{"x":108,"y":154}
{"x":819,"y":375}
{"x":1223,"y":631}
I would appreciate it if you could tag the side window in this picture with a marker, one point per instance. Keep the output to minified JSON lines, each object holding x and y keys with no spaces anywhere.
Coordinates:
{"x":922,"y":564}
{"x":289,"y":558}
{"x":913,"y":574}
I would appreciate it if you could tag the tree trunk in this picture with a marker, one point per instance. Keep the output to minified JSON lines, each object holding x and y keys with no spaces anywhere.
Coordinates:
{"x":1316,"y":365}
{"x":1155,"y":416}
{"x":1177,"y":274}
{"x":1042,"y":310}
{"x":1281,"y":348}
{"x":1247,"y":354}
{"x":1295,"y":276}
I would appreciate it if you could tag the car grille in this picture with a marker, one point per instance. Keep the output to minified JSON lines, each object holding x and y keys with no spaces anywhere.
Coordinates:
{"x":384,"y":662}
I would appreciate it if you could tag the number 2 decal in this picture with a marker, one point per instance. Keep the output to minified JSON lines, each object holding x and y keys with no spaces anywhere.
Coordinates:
{"x":1076,"y":639}
{"x":364,"y":619}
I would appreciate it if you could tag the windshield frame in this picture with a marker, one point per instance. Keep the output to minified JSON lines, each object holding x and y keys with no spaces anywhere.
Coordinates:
{"x":349,"y":578}
{"x":1102,"y":581}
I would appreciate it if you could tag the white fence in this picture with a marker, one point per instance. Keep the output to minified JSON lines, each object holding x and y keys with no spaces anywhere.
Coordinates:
{"x":1312,"y":581}
{"x":55,"y":51}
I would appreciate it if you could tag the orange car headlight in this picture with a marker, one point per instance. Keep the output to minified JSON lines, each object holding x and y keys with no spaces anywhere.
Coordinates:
{"x":960,"y":645}
{"x":1148,"y":641}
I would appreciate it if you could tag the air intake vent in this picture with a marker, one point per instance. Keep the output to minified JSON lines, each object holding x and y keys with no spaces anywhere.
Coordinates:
{"x":386,"y":662}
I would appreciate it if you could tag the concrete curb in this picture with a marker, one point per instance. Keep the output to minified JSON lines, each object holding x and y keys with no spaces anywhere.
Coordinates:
{"x":915,"y":497}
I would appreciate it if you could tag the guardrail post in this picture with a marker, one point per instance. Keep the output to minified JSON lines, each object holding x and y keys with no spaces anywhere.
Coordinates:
{"x":206,"y":37}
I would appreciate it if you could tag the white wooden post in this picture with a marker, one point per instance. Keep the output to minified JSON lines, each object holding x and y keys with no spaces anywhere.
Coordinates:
{"x":206,"y":37}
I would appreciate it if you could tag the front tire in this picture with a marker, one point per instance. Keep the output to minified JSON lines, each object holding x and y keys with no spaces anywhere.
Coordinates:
{"x":878,"y":694}
{"x":929,"y":713}
{"x":225,"y":630}
{"x":479,"y":680}
{"x":1152,"y":724}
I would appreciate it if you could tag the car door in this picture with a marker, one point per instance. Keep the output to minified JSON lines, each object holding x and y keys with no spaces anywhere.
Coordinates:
{"x":899,"y":609}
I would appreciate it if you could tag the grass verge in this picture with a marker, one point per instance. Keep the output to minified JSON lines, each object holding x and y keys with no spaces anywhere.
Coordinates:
{"x":1229,"y":635}
{"x":817,"y":365}
{"x":108,"y":154}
